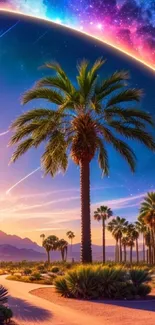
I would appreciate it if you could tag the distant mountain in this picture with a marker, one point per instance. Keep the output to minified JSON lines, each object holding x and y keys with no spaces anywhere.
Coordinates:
{"x":11,"y":253}
{"x":18,"y":242}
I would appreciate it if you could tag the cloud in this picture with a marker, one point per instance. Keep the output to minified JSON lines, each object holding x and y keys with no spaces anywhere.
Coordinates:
{"x":4,"y":133}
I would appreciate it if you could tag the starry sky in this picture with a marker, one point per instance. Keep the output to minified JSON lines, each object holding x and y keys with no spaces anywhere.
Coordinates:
{"x":126,"y":24}
{"x":29,"y":203}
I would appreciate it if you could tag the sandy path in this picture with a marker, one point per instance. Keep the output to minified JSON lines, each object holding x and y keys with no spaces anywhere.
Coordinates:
{"x":31,"y":310}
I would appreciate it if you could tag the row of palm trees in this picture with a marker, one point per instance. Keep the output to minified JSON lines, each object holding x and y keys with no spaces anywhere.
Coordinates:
{"x":53,"y":243}
{"x":127,"y":234}
{"x":87,"y":115}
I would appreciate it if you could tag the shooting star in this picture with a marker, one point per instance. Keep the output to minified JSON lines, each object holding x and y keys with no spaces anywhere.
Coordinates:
{"x":3,"y":133}
{"x":22,"y":180}
{"x":6,"y":31}
{"x":40,"y":37}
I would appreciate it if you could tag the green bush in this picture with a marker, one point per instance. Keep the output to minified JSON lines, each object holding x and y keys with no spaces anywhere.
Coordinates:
{"x":35,"y":276}
{"x":55,"y":269}
{"x":94,"y":282}
{"x":41,"y":268}
{"x":5,"y":313}
{"x":27,"y":271}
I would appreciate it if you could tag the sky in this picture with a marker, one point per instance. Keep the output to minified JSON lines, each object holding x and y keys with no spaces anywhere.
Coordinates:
{"x":126,"y":24}
{"x":31,"y":204}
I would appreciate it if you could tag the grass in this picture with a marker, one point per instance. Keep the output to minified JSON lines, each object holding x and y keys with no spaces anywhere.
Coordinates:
{"x":28,"y":279}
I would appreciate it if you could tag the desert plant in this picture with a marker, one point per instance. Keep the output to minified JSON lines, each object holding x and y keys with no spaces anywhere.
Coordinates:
{"x":139,"y":276}
{"x":55,"y":269}
{"x":89,"y":115}
{"x":35,"y":276}
{"x":27,"y":271}
{"x":5,"y":314}
{"x":3,"y":295}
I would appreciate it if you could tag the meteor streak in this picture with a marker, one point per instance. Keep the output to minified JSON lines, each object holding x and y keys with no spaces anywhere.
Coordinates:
{"x":40,"y":37}
{"x":9,"y":28}
{"x":3,"y":133}
{"x":22,"y":180}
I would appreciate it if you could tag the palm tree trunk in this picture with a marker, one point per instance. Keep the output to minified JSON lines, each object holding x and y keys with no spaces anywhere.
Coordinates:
{"x":116,"y":252}
{"x":71,"y":248}
{"x":147,"y":256}
{"x":131,"y":254}
{"x":103,"y":231}
{"x":143,"y":248}
{"x":120,"y":250}
{"x":125,"y":253}
{"x":86,"y":251}
{"x":137,"y":250}
{"x":48,"y":257}
{"x":62,"y":254}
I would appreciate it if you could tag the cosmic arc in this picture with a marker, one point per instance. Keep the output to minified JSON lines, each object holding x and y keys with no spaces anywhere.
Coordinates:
{"x":50,"y":21}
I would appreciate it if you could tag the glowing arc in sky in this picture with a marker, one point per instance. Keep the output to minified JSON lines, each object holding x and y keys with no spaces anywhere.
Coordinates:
{"x":84,"y":33}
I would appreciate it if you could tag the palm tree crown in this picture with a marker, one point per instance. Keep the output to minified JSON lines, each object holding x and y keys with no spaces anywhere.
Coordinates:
{"x":147,"y":210}
{"x":88,"y":117}
{"x":102,"y":213}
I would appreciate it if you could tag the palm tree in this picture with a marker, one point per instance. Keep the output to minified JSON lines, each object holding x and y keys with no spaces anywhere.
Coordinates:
{"x":147,"y":214}
{"x":131,"y":238}
{"x":47,"y":246}
{"x":80,"y":127}
{"x":142,"y":229}
{"x":102,"y":214}
{"x":43,"y":237}
{"x":63,"y":247}
{"x":125,"y":241}
{"x":136,"y":237}
{"x":70,"y":234}
{"x":50,"y":244}
{"x":118,"y":227}
{"x":148,"y":245}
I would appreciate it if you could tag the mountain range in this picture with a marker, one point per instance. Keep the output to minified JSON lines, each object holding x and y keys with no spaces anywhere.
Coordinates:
{"x":15,"y":248}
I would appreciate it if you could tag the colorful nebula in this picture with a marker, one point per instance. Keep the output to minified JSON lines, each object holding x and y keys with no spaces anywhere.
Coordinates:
{"x":128,"y":25}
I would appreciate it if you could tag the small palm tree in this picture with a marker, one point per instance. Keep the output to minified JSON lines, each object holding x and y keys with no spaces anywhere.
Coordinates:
{"x":102,"y":214}
{"x":50,"y":244}
{"x":118,"y":227}
{"x":63,"y":247}
{"x":131,"y":238}
{"x":70,"y":234}
{"x":142,"y":229}
{"x":43,"y":237}
{"x":147,"y":214}
{"x":125,"y":241}
{"x":88,"y":118}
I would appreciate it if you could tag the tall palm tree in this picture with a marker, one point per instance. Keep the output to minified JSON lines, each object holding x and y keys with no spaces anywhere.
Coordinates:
{"x":70,"y":234}
{"x":131,"y":238}
{"x":50,"y":244}
{"x":118,"y":227}
{"x":43,"y":237}
{"x":148,"y":245}
{"x":63,"y":247}
{"x":147,"y":214}
{"x":136,"y":237}
{"x":89,"y":116}
{"x":142,"y":229}
{"x":125,"y":241}
{"x":102,"y":214}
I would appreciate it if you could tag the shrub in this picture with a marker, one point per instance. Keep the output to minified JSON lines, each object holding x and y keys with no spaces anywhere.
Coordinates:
{"x":55,"y":269}
{"x":94,"y":282}
{"x":143,"y":290}
{"x":35,"y":276}
{"x":5,"y":314}
{"x":27,"y":271}
{"x":139,"y":276}
{"x":41,"y":268}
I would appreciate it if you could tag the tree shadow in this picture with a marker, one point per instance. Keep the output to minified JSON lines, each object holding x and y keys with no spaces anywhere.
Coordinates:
{"x":23,"y":310}
{"x":147,"y":305}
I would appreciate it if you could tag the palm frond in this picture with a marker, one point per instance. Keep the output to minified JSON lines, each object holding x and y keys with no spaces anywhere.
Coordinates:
{"x":125,"y":96}
{"x":128,"y":114}
{"x":103,"y":157}
{"x":43,"y":93}
{"x":22,"y":148}
{"x":134,"y":133}
{"x":116,"y":77}
{"x":55,"y":82}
